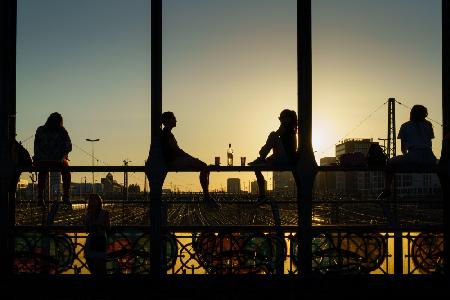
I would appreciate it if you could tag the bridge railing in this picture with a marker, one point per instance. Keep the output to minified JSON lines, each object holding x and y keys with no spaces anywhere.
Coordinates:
{"x":354,"y":249}
{"x":221,"y":250}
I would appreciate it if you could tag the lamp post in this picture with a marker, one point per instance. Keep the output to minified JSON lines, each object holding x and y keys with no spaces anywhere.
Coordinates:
{"x":93,"y":176}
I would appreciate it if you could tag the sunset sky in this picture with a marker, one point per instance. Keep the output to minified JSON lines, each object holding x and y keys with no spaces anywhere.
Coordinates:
{"x":229,"y":68}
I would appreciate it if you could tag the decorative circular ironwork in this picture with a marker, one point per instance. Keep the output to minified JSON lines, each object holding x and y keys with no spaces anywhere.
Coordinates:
{"x":345,"y":252}
{"x":428,"y":252}
{"x":37,"y":252}
{"x":236,"y":253}
{"x":266,"y":252}
{"x":129,"y":252}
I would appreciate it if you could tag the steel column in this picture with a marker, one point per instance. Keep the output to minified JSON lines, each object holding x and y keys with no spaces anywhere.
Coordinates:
{"x":306,"y":168}
{"x":8,"y":29}
{"x":155,"y":168}
{"x":446,"y":127}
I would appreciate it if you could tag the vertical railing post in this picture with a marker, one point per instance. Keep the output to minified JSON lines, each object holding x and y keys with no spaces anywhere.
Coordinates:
{"x":398,"y":234}
{"x":8,"y":29}
{"x":446,"y":127}
{"x":306,"y":168}
{"x":155,"y":167}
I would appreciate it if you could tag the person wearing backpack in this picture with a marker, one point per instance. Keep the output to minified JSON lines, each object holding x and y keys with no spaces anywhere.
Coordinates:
{"x":52,"y":145}
{"x":415,"y":136}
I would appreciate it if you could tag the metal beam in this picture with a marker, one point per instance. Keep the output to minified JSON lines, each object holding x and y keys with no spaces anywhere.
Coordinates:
{"x":446,"y":126}
{"x":155,"y":166}
{"x":306,"y":167}
{"x":8,"y":26}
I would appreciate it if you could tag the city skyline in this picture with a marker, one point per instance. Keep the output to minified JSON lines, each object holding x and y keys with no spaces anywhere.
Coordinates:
{"x":229,"y":66}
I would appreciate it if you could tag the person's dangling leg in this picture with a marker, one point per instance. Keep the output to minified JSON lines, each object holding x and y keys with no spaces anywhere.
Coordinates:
{"x":42,"y":181}
{"x":204,"y":181}
{"x":66,"y":180}
{"x":261,"y":187}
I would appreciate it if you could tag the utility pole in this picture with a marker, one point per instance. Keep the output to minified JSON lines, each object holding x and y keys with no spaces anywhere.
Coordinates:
{"x":125,"y":180}
{"x":33,"y":180}
{"x":93,"y":173}
{"x":391,"y":136}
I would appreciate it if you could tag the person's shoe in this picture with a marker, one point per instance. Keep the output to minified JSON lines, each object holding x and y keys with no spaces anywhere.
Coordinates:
{"x":384,"y":194}
{"x":257,"y":162}
{"x":211,"y":203}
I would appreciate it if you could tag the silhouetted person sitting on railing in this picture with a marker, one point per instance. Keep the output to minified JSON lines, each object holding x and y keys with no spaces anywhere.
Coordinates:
{"x":415,"y":136}
{"x":283,"y":143}
{"x":51,"y":149}
{"x":175,"y":157}
{"x":98,"y":224}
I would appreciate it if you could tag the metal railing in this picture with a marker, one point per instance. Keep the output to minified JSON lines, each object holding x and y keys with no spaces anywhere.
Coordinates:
{"x":237,"y":249}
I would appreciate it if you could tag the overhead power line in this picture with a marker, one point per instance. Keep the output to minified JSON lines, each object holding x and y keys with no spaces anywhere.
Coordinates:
{"x":356,"y":127}
{"x":406,"y":106}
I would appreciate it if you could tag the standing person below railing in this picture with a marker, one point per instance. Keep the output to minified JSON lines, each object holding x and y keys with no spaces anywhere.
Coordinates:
{"x":283,"y":143}
{"x":51,"y":149}
{"x":98,"y":224}
{"x":175,"y":157}
{"x":415,"y":136}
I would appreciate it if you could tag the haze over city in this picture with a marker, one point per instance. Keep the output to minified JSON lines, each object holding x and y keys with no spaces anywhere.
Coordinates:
{"x":229,"y":68}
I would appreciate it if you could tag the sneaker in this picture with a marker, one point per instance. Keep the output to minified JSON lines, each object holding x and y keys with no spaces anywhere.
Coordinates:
{"x":384,"y":194}
{"x":257,"y":162}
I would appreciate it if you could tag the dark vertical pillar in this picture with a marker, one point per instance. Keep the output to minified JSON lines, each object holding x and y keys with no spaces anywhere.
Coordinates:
{"x":306,"y":164}
{"x":155,"y":170}
{"x":446,"y":125}
{"x":8,"y":25}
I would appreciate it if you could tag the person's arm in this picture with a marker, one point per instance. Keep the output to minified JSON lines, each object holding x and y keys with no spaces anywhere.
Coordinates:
{"x":176,"y":149}
{"x":67,"y":142}
{"x":401,"y":136}
{"x":271,"y":140}
{"x":403,"y":147}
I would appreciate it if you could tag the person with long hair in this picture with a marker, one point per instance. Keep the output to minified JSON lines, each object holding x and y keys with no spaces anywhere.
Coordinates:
{"x":283,"y":144}
{"x":415,"y":136}
{"x":52,"y":145}
{"x":98,"y":222}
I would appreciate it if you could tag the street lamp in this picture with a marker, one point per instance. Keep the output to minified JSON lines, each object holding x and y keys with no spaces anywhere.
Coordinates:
{"x":93,"y":176}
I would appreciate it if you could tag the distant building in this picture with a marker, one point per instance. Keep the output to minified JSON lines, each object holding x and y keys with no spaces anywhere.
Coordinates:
{"x":325,"y":182}
{"x":347,"y":182}
{"x":254,"y":189}
{"x":110,"y":185}
{"x":284,"y":183}
{"x":328,"y":161}
{"x":353,"y":146}
{"x":81,"y":189}
{"x":233,"y":185}
{"x":370,"y":184}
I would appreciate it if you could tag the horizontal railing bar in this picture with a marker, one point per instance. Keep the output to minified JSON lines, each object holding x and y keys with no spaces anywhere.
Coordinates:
{"x":252,"y":201}
{"x":234,"y":228}
{"x":397,"y":169}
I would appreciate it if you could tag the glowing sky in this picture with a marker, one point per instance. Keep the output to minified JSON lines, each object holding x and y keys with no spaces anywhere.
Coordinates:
{"x":229,"y":68}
